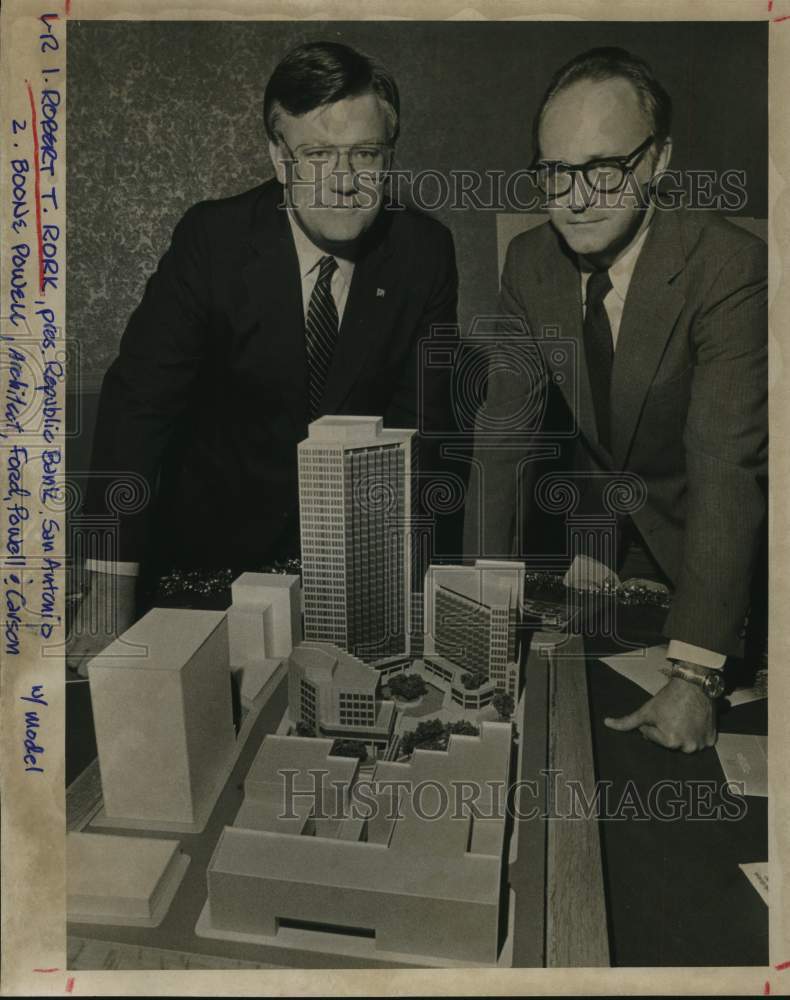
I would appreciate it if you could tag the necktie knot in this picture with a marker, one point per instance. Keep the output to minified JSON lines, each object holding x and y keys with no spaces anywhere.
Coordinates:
{"x":326,"y":268}
{"x":599,"y":284}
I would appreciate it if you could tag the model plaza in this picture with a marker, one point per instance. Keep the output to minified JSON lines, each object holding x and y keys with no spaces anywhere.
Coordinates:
{"x":376,"y":694}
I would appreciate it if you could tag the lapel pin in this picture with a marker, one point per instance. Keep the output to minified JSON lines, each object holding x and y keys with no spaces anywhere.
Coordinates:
{"x":380,"y":293}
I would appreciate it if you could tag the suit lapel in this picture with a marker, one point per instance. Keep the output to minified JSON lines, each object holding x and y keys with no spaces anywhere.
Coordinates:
{"x":367,"y":316}
{"x":652,"y":305}
{"x":561,"y":307}
{"x":272,"y":279}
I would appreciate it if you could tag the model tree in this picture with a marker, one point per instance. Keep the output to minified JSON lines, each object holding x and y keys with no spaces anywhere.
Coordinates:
{"x":350,"y":748}
{"x":433,"y":734}
{"x":427,"y":735}
{"x":407,"y":686}
{"x":304,"y":729}
{"x":463,"y":728}
{"x":504,"y":704}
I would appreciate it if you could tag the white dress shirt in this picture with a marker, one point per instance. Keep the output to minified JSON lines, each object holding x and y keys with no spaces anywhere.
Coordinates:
{"x":620,"y":273}
{"x":309,"y":256}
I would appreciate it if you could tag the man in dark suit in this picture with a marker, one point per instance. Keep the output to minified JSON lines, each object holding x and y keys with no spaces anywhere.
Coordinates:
{"x":307,"y":295}
{"x":667,"y":312}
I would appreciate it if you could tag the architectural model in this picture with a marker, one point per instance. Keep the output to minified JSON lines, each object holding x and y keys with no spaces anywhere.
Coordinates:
{"x":164,"y":723}
{"x":309,"y":870}
{"x":335,"y":694}
{"x":264,"y":625}
{"x":472,"y":614}
{"x":394,"y":883}
{"x":355,"y":489}
{"x":121,"y":880}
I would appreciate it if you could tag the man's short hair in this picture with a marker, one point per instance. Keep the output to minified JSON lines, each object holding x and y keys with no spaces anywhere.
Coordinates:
{"x":319,"y":73}
{"x":609,"y":63}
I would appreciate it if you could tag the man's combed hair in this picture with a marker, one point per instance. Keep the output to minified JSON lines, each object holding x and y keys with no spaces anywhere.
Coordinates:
{"x":610,"y":63}
{"x":319,"y":73}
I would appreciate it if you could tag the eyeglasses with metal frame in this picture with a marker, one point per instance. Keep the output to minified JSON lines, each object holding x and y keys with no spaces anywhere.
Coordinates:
{"x":315,"y":161}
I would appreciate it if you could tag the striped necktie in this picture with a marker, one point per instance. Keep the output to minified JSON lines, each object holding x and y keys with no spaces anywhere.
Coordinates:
{"x":321,"y":330}
{"x":599,"y":351}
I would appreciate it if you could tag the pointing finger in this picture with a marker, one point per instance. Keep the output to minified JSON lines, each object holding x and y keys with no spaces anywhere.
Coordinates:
{"x":627,"y":722}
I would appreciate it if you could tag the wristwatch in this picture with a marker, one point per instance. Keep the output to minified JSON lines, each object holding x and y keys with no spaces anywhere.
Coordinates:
{"x":711,"y":681}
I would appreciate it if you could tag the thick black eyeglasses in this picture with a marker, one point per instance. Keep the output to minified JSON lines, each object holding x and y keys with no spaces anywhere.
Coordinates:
{"x":608,"y":174}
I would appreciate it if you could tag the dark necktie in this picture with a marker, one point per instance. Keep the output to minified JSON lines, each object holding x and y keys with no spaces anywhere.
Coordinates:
{"x":599,"y":351}
{"x":321,"y":330}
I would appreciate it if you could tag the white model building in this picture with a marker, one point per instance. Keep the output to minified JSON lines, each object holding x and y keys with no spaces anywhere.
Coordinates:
{"x":397,"y":883}
{"x":355,"y":503}
{"x":264,"y":625}
{"x":320,"y":785}
{"x":163,"y":720}
{"x":337,"y":695}
{"x":121,"y":880}
{"x":472,"y":614}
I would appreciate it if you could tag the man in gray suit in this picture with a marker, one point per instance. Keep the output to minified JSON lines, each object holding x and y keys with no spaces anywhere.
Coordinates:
{"x":668,"y":311}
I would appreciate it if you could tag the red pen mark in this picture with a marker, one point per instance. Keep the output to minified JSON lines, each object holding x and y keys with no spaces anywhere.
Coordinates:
{"x":46,"y":970}
{"x":70,"y":984}
{"x":782,"y":966}
{"x":784,"y":17}
{"x":770,"y":5}
{"x":767,"y":988}
{"x":37,"y":165}
{"x":68,"y":7}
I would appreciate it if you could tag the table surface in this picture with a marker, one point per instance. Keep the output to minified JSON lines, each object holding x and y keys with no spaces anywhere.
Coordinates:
{"x":675,"y":895}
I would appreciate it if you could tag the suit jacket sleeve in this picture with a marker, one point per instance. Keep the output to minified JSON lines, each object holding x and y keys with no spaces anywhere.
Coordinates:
{"x":146,"y":389}
{"x":501,"y":477}
{"x":725,"y":441}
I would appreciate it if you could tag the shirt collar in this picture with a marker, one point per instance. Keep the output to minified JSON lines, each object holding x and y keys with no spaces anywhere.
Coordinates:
{"x":622,"y":269}
{"x":309,"y":255}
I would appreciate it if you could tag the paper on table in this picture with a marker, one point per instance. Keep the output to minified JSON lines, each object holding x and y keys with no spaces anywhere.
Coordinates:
{"x":757,"y":873}
{"x":744,"y":759}
{"x":742,"y":695}
{"x":644,"y":666}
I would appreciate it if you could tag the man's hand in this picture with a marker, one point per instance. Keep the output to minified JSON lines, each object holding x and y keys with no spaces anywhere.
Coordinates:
{"x":589,"y":574}
{"x":680,"y":717}
{"x":106,"y":610}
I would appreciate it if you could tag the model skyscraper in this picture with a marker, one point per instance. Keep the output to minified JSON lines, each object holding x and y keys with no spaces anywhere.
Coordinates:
{"x":355,"y":505}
